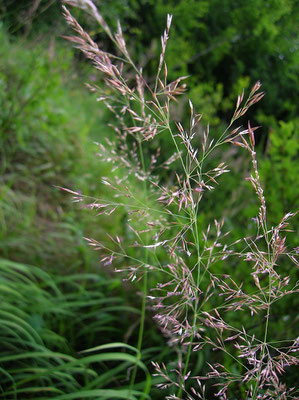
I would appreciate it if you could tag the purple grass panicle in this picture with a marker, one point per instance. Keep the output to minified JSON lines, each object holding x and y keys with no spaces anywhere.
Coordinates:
{"x":199,"y":305}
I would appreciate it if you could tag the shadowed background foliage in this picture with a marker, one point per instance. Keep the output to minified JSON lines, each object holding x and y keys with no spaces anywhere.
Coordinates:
{"x":58,"y":299}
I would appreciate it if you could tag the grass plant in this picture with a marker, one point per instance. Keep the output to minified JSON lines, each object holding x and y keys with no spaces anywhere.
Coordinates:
{"x":55,"y":303}
{"x":42,"y":335}
{"x":214,"y":297}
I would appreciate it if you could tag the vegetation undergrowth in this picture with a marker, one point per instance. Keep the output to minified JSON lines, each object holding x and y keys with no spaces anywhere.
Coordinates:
{"x":55,"y":302}
{"x":216,"y":299}
{"x":38,"y":150}
{"x":69,"y":328}
{"x":46,"y":324}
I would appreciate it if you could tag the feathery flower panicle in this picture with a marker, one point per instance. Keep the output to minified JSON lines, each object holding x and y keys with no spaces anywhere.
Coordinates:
{"x":201,"y":305}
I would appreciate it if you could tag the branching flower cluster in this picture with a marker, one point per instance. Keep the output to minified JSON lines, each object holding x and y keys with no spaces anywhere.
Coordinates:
{"x":198,"y":305}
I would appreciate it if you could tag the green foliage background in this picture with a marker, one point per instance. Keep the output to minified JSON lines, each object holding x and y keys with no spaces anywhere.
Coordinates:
{"x":57,"y":300}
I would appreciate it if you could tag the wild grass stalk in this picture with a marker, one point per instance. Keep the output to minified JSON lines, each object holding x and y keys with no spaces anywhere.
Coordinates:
{"x":201,"y":304}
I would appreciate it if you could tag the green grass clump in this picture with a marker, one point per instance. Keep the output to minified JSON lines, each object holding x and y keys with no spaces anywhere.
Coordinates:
{"x":44,"y":142}
{"x":46,"y":321}
{"x":54,"y":301}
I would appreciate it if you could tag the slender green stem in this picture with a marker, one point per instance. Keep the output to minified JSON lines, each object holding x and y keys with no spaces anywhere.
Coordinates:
{"x":144,"y":291}
{"x":141,"y":331}
{"x":196,"y":237}
{"x":265,"y":336}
